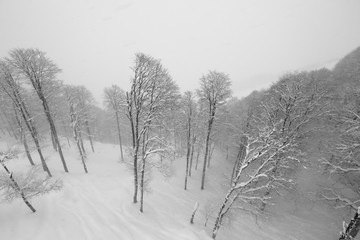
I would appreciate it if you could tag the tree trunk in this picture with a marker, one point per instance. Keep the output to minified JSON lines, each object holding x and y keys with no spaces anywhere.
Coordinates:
{"x":135,"y":158}
{"x":53,"y":129}
{"x":89,"y":135}
{"x":197,"y":157}
{"x":66,"y":133}
{"x":194,"y":212}
{"x":34,"y":134}
{"x":239,"y":158}
{"x":82,"y":156}
{"x":23,"y":136}
{"x":192,"y":154}
{"x":81,"y":140}
{"x":134,"y":134}
{"x":207,"y":149}
{"x":16,"y":187}
{"x":144,"y":146}
{"x":137,"y":143}
{"x":53,"y":141}
{"x":211,"y":151}
{"x":27,"y":150}
{"x":142,"y":185}
{"x":222,"y":213}
{"x":119,"y":135}
{"x":188,"y":150}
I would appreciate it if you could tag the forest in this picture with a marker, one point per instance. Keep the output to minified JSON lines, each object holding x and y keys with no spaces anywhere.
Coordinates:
{"x":297,"y":141}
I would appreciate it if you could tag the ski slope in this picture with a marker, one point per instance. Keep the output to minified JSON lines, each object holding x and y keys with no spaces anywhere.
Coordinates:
{"x":98,"y":205}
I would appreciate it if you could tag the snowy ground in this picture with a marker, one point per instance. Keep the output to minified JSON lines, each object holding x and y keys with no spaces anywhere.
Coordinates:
{"x":98,"y":205}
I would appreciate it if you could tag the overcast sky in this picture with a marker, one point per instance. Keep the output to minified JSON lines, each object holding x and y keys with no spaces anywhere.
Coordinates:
{"x":254,"y":41}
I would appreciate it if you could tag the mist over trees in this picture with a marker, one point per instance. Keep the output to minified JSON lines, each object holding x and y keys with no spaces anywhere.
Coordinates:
{"x":306,"y":122}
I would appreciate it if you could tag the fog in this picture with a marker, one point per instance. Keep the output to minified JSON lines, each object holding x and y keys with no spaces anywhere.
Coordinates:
{"x":94,"y":42}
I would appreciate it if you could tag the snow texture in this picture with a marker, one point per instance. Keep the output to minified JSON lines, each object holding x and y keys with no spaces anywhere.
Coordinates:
{"x":98,"y":205}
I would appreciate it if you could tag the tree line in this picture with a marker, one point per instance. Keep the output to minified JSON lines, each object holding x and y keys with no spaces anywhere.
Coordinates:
{"x":304,"y":120}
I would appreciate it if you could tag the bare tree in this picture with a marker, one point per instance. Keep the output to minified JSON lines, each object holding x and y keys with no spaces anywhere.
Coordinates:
{"x":22,"y":134}
{"x":10,"y":86}
{"x":76,"y":109}
{"x":188,"y":112}
{"x":214,"y":90}
{"x":273,"y":145}
{"x":341,"y":161}
{"x":152,"y":93}
{"x":85,"y":101}
{"x":34,"y":66}
{"x":115,"y":99}
{"x":24,"y":186}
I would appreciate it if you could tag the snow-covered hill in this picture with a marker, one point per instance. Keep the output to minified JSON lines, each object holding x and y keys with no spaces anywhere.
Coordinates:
{"x":98,"y":205}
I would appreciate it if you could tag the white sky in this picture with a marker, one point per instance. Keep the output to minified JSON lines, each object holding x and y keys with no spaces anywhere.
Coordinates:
{"x":254,"y":41}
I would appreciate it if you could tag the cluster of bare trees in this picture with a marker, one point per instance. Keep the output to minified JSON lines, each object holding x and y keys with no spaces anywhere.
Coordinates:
{"x":149,"y":101}
{"x":307,"y":120}
{"x":267,"y":137}
{"x":271,"y":143}
{"x":34,"y":102}
{"x":163,"y":124}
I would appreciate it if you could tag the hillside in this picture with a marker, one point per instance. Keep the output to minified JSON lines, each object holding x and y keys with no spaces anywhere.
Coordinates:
{"x":98,"y":206}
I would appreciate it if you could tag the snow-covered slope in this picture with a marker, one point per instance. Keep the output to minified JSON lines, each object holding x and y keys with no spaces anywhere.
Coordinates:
{"x":98,"y":205}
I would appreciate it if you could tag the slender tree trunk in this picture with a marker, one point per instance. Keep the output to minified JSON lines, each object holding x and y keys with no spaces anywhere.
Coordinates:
{"x":66,"y":133}
{"x":27,"y":150}
{"x":236,"y":166}
{"x":137,"y":143}
{"x":135,"y":173}
{"x":222,"y":211}
{"x":194,"y":212}
{"x":43,"y":163}
{"x":53,"y":141}
{"x":89,"y":135}
{"x":23,"y":136}
{"x":34,"y":134}
{"x":81,"y":140}
{"x":53,"y":129}
{"x":142,"y":185}
{"x":134,"y":134}
{"x":82,"y":156}
{"x":20,"y":105}
{"x":16,"y":187}
{"x":144,"y":146}
{"x":119,"y":135}
{"x":192,"y":154}
{"x":188,"y":146}
{"x":197,"y":157}
{"x":211,"y":151}
{"x":207,"y":148}
{"x":239,"y":158}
